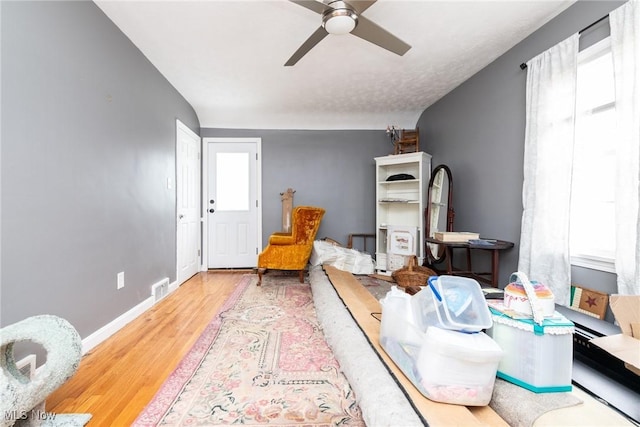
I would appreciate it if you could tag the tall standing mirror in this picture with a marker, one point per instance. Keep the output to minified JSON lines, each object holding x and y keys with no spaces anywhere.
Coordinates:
{"x":439,"y":212}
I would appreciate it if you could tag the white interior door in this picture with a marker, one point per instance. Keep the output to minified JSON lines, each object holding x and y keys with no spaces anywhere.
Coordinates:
{"x":232,"y":205}
{"x":187,"y":202}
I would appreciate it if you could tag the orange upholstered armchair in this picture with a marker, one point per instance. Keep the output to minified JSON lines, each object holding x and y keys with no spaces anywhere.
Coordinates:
{"x":292,"y":251}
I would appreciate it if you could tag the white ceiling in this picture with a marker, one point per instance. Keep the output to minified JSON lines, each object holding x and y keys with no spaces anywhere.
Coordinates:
{"x":227,"y":57}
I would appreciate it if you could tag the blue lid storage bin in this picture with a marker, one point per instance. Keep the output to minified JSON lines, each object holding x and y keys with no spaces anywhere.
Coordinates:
{"x":451,"y":302}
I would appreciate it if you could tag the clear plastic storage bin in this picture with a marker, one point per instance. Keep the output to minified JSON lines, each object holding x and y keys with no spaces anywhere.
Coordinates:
{"x":456,"y":367}
{"x":451,"y":302}
{"x":445,"y":366}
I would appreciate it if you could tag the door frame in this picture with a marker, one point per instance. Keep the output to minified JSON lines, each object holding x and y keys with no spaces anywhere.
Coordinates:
{"x":205,"y":191}
{"x":183,"y":127}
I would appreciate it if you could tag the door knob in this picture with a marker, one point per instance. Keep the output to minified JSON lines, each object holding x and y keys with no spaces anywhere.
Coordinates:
{"x":212,"y":201}
{"x":180,"y":216}
{"x":212,"y":210}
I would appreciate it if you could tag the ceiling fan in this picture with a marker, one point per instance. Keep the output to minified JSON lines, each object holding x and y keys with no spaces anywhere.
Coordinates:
{"x":340,"y":17}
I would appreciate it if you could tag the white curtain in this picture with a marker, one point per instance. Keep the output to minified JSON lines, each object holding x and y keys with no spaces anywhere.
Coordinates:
{"x":625,"y":47}
{"x":548,"y":156}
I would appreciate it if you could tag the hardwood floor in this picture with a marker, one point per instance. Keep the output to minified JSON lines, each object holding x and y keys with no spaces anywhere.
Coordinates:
{"x":117,"y":379}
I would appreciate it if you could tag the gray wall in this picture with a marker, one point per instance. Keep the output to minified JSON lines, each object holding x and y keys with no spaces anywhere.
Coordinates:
{"x":478,"y":130}
{"x":88,"y":142}
{"x":331,"y":169}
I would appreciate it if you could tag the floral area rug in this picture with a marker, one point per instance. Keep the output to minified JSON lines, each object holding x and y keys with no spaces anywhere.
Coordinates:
{"x":376,"y":287}
{"x":262,"y":360}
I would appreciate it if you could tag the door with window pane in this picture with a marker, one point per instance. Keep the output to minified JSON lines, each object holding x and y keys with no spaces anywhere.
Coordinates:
{"x":232,"y":205}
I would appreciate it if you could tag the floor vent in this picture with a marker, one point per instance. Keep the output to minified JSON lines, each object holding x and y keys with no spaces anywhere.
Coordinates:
{"x":160,"y":289}
{"x":27,"y":366}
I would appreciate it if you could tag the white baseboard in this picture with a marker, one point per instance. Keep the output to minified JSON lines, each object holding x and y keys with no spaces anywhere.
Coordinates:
{"x":173,"y":286}
{"x":120,"y":322}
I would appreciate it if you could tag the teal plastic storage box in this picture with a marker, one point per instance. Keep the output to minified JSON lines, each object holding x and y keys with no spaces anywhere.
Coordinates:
{"x":536,"y":357}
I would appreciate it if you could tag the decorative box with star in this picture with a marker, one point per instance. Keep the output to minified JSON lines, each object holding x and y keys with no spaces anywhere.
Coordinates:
{"x":588,"y":301}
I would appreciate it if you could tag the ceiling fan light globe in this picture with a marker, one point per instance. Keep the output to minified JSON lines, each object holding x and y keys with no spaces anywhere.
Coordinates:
{"x":341,"y":21}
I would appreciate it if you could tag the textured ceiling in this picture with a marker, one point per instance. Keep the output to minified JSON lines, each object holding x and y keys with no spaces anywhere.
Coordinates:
{"x":227,"y":57}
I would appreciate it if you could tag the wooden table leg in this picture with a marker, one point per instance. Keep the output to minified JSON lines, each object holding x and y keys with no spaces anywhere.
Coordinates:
{"x":448,"y":254}
{"x":494,"y":267}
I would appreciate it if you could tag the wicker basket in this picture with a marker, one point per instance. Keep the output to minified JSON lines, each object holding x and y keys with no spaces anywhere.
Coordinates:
{"x":413,"y":274}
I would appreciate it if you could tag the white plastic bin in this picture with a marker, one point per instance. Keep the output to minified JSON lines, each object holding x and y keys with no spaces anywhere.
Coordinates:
{"x":451,"y":302}
{"x":397,"y":319}
{"x":445,"y":366}
{"x":459,"y":368}
{"x":399,"y":336}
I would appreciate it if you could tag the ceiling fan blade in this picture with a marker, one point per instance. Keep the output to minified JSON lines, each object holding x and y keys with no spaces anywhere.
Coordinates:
{"x":361,"y":5}
{"x":371,"y":32}
{"x":313,"y":5}
{"x":313,"y":40}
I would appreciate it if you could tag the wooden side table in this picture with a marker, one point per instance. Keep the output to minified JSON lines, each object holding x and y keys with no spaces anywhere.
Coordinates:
{"x":489,"y":277}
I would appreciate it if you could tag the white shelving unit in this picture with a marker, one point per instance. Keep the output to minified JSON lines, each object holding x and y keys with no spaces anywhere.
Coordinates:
{"x":400,"y":203}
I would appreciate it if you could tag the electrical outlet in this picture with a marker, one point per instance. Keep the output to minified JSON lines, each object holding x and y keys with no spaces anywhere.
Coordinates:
{"x":120,"y":280}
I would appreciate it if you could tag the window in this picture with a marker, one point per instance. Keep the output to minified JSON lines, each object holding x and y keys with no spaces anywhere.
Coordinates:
{"x":232,"y":181}
{"x":592,"y":227}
